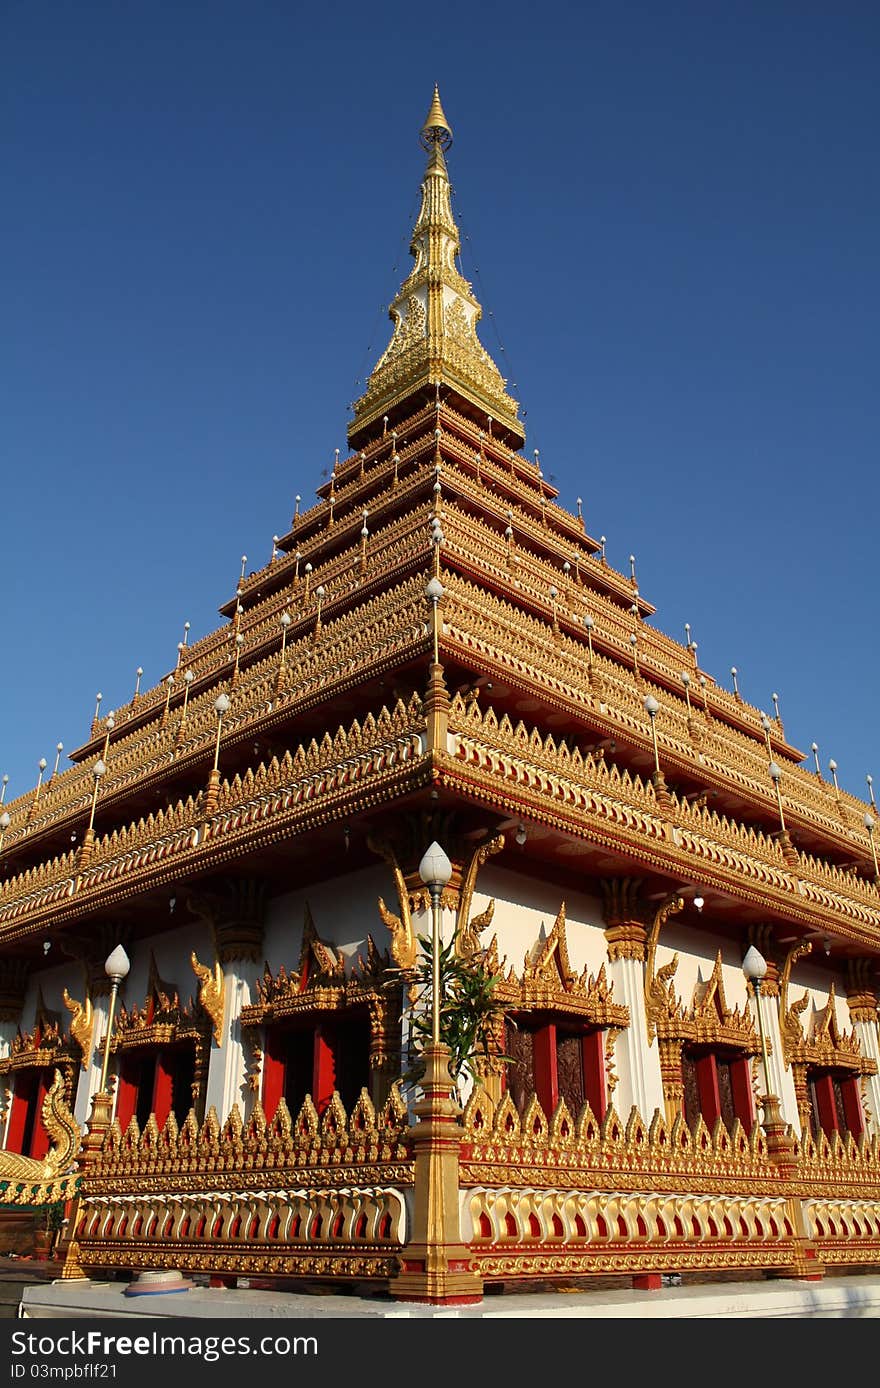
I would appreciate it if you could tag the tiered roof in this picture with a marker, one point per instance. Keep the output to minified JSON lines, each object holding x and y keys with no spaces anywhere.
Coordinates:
{"x":547,"y":652}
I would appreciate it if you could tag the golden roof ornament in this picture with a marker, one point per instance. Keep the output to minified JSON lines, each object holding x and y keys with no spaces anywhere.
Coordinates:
{"x":436,"y":129}
{"x":435,"y":317}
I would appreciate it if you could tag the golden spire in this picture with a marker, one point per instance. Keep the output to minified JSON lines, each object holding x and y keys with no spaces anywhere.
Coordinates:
{"x":436,"y":129}
{"x":435,"y":316}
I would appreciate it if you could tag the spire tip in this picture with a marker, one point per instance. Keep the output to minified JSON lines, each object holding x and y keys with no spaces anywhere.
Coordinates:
{"x":436,"y":129}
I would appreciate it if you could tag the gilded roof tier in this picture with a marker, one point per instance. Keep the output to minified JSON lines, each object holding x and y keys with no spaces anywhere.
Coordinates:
{"x":434,"y":490}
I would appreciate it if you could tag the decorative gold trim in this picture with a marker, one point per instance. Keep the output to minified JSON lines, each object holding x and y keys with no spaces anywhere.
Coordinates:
{"x":212,"y":993}
{"x":82,"y":1024}
{"x":64,"y":1136}
{"x":468,"y":931}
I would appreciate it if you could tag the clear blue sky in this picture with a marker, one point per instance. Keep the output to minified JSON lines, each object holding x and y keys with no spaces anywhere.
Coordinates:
{"x":672,"y":220}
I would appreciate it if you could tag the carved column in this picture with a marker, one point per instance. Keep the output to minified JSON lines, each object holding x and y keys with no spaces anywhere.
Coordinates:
{"x":638,"y":1064}
{"x":781,"y":1077}
{"x":861,"y":983}
{"x":236,"y":914}
{"x":13,"y":981}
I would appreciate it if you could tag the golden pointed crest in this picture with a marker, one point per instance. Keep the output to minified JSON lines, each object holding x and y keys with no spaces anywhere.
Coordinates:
{"x":436,"y":129}
{"x":435,"y":315}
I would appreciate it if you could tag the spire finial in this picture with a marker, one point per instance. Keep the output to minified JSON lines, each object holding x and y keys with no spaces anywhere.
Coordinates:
{"x":436,"y":130}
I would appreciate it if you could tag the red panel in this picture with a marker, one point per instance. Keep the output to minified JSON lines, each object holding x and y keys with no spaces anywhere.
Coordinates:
{"x":324,"y":1074}
{"x":707,"y":1087}
{"x":546,"y":1077}
{"x":827,"y":1108}
{"x":162,"y":1087}
{"x":126,"y":1091}
{"x":852,"y":1106}
{"x":21,"y":1097}
{"x":273,"y":1074}
{"x":595,"y":1077}
{"x":743,"y":1095}
{"x":40,"y":1139}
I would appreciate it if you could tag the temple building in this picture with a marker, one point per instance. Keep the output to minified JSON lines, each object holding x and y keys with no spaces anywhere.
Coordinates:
{"x":440,"y":715}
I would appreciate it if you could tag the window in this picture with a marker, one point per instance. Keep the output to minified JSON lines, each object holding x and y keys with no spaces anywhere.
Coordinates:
{"x":717,"y":1084}
{"x":316,"y":1059}
{"x":555,"y":1057}
{"x":26,"y":1134}
{"x":835,"y":1102}
{"x":155,"y":1080}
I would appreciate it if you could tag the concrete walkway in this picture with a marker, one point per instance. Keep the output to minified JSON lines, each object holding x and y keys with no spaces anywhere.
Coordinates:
{"x":840,"y":1297}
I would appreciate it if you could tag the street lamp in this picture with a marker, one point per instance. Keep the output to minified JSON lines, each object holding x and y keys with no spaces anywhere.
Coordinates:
{"x":187,"y":681}
{"x":434,"y":592}
{"x":554,"y":594}
{"x":686,"y":681}
{"x":58,"y":750}
{"x":776,"y":776}
{"x":239,"y":642}
{"x":869,"y":825}
{"x":589,"y":625}
{"x":169,"y":685}
{"x":116,"y":967}
{"x":435,"y":870}
{"x":109,"y":726}
{"x":41,"y":764}
{"x":285,"y":620}
{"x":767,"y":725}
{"x":97,"y":771}
{"x":653,"y":708}
{"x":221,"y":706}
{"x":5,"y":821}
{"x":754,"y":966}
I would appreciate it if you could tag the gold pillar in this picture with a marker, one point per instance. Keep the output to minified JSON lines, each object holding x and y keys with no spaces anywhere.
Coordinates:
{"x":436,"y":1267}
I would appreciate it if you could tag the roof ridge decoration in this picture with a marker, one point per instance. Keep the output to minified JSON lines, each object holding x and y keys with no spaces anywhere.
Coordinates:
{"x":435,"y":316}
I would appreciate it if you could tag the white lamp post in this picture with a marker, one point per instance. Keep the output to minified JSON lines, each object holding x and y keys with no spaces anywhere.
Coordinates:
{"x":869,"y":825}
{"x":221,"y":706}
{"x":653,"y":708}
{"x":97,"y":772}
{"x":285,"y":620}
{"x":434,"y":592}
{"x":686,"y":681}
{"x":435,"y":870}
{"x":589,"y":624}
{"x":754,"y":966}
{"x":5,"y":821}
{"x":776,"y":777}
{"x":116,"y":967}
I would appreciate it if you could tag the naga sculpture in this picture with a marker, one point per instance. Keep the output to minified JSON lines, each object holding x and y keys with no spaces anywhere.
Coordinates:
{"x":211,"y":993}
{"x":64,"y":1136}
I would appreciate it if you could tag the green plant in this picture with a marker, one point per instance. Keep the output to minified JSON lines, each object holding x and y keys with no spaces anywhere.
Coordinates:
{"x":471,"y":1016}
{"x":53,"y":1217}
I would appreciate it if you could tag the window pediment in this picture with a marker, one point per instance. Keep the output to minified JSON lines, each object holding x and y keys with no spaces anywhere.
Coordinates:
{"x":548,"y":982}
